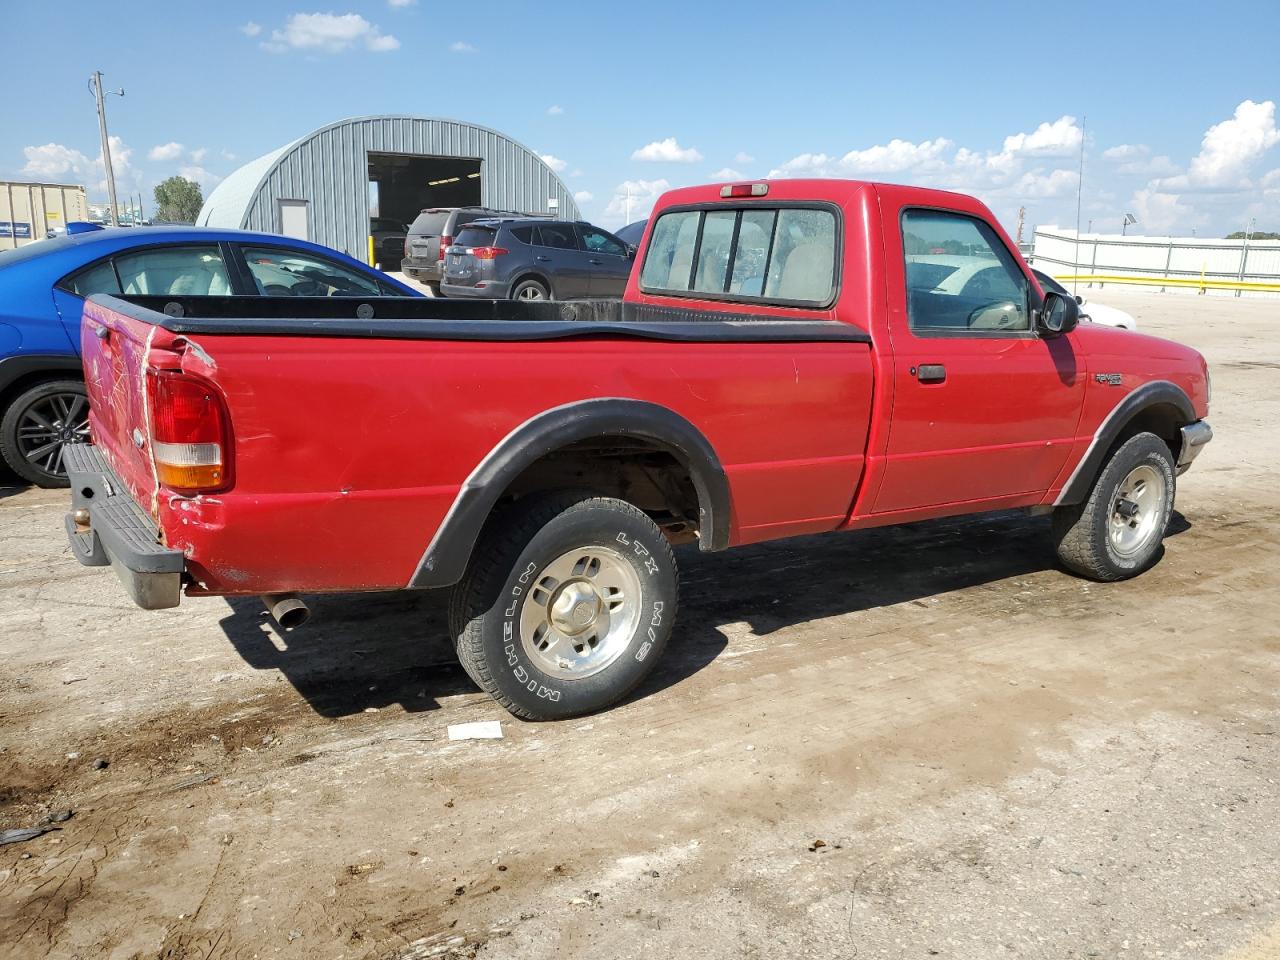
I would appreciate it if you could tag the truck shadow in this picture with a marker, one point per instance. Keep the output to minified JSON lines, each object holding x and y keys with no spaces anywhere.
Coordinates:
{"x":362,"y":651}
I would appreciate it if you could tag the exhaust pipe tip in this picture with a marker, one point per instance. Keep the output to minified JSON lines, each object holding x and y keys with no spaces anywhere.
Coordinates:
{"x":287,"y":609}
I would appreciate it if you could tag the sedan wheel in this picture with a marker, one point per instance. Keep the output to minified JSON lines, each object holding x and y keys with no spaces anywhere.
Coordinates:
{"x":39,"y":425}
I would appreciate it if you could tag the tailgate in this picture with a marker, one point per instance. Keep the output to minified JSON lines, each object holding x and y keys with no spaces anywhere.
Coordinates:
{"x":114,"y":348}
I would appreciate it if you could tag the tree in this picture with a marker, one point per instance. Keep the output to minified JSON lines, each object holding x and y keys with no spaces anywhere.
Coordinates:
{"x":1256,"y":235}
{"x":178,"y":200}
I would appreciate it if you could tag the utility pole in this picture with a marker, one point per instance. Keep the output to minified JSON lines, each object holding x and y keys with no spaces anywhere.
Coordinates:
{"x":1022,"y":216}
{"x":106,"y":145}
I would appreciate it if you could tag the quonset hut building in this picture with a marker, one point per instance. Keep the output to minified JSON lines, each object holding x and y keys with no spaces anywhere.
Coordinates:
{"x":325,"y":186}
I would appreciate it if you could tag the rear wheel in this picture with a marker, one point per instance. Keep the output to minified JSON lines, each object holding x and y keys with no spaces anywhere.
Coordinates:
{"x":38,"y":426}
{"x":530,"y":290}
{"x":567,"y":605}
{"x":1118,"y":531}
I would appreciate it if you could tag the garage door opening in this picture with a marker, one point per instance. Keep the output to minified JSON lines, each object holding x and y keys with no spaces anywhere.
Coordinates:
{"x":408,"y":183}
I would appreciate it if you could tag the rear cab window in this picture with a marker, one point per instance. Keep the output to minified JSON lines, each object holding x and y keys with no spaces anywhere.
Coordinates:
{"x":786,"y":255}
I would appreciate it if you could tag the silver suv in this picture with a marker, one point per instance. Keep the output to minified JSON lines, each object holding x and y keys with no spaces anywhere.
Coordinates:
{"x":536,"y":259}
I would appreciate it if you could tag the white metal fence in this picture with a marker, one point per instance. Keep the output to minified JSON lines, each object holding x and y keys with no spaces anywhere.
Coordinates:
{"x":1232,"y":268}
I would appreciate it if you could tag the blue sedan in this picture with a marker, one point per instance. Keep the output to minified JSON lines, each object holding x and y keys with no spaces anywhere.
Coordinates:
{"x":42,"y":290}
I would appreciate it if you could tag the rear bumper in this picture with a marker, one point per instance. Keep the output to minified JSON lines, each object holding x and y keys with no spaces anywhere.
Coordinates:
{"x":118,"y":533}
{"x":1195,"y":436}
{"x":421,"y":268}
{"x":492,"y":290}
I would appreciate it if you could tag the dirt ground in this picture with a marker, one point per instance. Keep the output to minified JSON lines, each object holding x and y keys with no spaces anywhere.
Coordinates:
{"x":919,"y":742}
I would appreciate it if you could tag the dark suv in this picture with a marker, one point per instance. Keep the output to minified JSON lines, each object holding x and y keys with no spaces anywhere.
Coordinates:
{"x":431,"y":232}
{"x":528,"y":259}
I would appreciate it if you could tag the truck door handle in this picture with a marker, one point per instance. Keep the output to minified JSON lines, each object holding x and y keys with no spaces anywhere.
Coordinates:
{"x":931,"y":373}
{"x":543,"y":259}
{"x":596,"y":262}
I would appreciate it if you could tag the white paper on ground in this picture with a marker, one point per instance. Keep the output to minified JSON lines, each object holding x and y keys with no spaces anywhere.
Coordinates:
{"x":476,"y":730}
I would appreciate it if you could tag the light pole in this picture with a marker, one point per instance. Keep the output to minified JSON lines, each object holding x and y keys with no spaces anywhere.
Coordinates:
{"x":96,"y":81}
{"x":1129,"y":218}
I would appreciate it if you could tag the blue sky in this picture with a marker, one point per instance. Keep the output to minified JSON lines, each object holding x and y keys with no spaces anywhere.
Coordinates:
{"x":631,"y":98}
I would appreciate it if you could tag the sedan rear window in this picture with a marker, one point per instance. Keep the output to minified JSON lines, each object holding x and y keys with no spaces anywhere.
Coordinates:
{"x":784,"y":255}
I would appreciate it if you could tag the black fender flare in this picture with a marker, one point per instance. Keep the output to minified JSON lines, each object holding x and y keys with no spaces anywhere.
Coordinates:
{"x":13,"y":369}
{"x":1155,"y":393}
{"x":449,"y":552}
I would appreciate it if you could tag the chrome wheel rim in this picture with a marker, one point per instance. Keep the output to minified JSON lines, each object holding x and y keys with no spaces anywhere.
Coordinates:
{"x":47,"y":426}
{"x":530,"y":293}
{"x":580,"y":613}
{"x":1136,"y":511}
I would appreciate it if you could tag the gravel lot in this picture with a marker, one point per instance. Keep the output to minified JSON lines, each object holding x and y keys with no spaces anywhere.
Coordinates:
{"x":904,"y":743}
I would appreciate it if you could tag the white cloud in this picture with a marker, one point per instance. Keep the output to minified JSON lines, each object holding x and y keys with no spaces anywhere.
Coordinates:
{"x":727,"y":173}
{"x":1229,"y":149}
{"x":54,"y":161}
{"x":633,"y":200}
{"x":1159,"y":212}
{"x":228,"y":155}
{"x":1126,"y":151}
{"x":329,"y":33}
{"x":198,"y":155}
{"x":584,"y":196}
{"x":1061,"y":138}
{"x":166,"y":151}
{"x":666,"y":151}
{"x":743,"y":158}
{"x":895,"y":156}
{"x":555,"y":110}
{"x":806,"y":165}
{"x":251,"y":29}
{"x":401,"y":3}
{"x":461,"y":46}
{"x":201,"y":176}
{"x":554,"y":162}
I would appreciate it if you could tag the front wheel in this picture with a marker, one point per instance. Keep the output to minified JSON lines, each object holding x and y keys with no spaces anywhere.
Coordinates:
{"x":567,"y":605}
{"x":1118,"y":531}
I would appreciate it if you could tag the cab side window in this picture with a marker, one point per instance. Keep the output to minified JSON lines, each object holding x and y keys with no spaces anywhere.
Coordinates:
{"x":597,"y":241}
{"x":961,"y":279}
{"x":556,"y":235}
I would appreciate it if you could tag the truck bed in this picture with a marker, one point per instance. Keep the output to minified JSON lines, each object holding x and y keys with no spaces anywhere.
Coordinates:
{"x":421,"y":318}
{"x":359,"y":426}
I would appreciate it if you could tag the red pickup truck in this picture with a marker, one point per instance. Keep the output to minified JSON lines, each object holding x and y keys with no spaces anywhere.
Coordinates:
{"x":791,"y":357}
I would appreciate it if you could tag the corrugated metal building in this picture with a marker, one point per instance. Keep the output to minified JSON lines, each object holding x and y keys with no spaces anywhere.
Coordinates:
{"x":321,"y":187}
{"x":28,"y":211}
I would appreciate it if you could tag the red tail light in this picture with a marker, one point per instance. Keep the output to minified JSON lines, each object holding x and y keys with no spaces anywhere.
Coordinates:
{"x":190,"y":433}
{"x":487,"y":253}
{"x":444,"y":245}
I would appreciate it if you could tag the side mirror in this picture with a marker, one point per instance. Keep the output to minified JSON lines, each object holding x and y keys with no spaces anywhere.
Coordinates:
{"x":1079,"y":300}
{"x":1058,"y":315}
{"x":631,"y":251}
